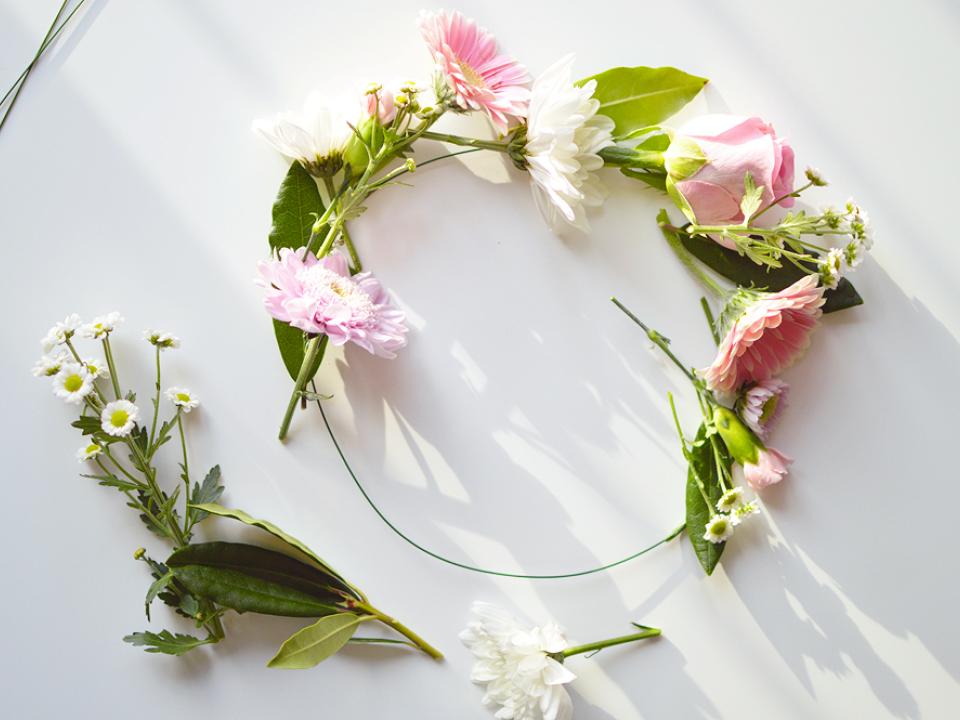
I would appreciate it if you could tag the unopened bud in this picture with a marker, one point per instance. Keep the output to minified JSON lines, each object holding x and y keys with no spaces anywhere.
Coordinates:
{"x":139,"y":553}
{"x":401,"y":99}
{"x":814,"y":176}
{"x":373,"y":89}
{"x":742,"y":444}
{"x":411,"y":164}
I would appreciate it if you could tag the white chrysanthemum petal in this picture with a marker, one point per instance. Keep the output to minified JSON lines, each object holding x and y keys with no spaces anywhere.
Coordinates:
{"x":183,"y":398}
{"x":72,"y":383}
{"x":118,"y":418}
{"x":317,"y":136}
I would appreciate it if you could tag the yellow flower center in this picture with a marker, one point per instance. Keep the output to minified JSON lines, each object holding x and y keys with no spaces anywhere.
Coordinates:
{"x":119,"y":418}
{"x":769,"y":408}
{"x":73,"y":383}
{"x":183,"y":397}
{"x":473,"y":77}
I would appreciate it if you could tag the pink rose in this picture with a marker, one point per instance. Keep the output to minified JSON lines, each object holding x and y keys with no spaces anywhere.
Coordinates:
{"x":711,"y":180}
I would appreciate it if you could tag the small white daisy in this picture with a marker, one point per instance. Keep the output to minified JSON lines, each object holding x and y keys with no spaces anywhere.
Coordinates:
{"x":183,"y":398}
{"x":831,"y":268}
{"x":731,"y":500}
{"x":118,"y":418}
{"x":816,"y":177}
{"x":61,"y":332}
{"x":745,"y":511}
{"x":853,"y":253}
{"x":96,"y":368}
{"x":89,"y":452}
{"x":72,"y":383}
{"x":162,"y":340}
{"x":719,"y":529}
{"x":101,"y":326}
{"x":48,"y":365}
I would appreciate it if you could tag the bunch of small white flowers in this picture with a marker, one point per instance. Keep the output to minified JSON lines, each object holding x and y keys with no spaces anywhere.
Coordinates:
{"x":853,"y":222}
{"x":732,"y":509}
{"x":523,"y":667}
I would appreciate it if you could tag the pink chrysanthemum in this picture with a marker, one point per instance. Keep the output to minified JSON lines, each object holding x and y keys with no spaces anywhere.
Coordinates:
{"x":770,"y":333}
{"x":321,"y":297}
{"x":770,"y":467}
{"x":762,"y":404}
{"x":479,"y":76}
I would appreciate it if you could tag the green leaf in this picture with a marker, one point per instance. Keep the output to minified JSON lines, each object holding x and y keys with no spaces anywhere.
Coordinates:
{"x":747,"y":273}
{"x":166,"y":642}
{"x":297,"y":207}
{"x":87,"y":424}
{"x":315,"y":643}
{"x":248,"y":578}
{"x":752,"y":197}
{"x":247,"y":519}
{"x":207,"y":492}
{"x":155,"y":589}
{"x":292,"y":343}
{"x":702,"y":465}
{"x":654,"y":180}
{"x":637,"y":97}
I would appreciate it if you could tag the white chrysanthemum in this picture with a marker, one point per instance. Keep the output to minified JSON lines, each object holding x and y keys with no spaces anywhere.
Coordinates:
{"x":97,"y":368}
{"x":317,"y":137}
{"x":831,"y":268}
{"x":162,"y":340}
{"x":49,"y":365}
{"x":731,"y":500}
{"x":72,"y":383}
{"x":745,"y":511}
{"x":183,"y":398}
{"x":564,"y":137}
{"x":61,"y":332}
{"x":719,"y":528}
{"x":89,"y":452}
{"x":101,"y":326}
{"x":519,"y":666}
{"x":118,"y":418}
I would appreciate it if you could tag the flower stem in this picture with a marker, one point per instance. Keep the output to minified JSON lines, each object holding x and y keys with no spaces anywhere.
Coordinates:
{"x":112,"y":367}
{"x":156,"y":404}
{"x":670,"y":233}
{"x":646,"y":632}
{"x":711,"y":322}
{"x":778,"y":200}
{"x":656,"y":338}
{"x":464,"y":141}
{"x":402,"y":629}
{"x":315,"y":348}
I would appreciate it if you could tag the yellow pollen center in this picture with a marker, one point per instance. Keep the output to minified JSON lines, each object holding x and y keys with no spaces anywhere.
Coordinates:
{"x":73,"y":383}
{"x":119,"y":418}
{"x":183,"y":397}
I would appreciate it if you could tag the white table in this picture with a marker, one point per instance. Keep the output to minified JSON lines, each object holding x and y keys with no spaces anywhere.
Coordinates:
{"x":525,"y":427}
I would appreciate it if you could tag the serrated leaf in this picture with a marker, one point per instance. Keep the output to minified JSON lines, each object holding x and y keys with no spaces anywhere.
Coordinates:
{"x":296,"y":208}
{"x":248,"y":578}
{"x":702,"y":465}
{"x":315,"y":643}
{"x":637,"y":97}
{"x":156,"y":587}
{"x":115,"y":482}
{"x":266,"y":525}
{"x":166,"y":642}
{"x":87,"y":424}
{"x":207,"y":492}
{"x":752,"y":197}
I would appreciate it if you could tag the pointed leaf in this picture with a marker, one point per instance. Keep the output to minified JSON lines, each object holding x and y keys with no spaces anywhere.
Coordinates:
{"x":698,"y":514}
{"x":297,"y":207}
{"x":207,"y":492}
{"x":315,"y":643}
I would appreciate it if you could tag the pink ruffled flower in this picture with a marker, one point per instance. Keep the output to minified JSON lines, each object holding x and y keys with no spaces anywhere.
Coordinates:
{"x":479,"y":76}
{"x":770,"y":467}
{"x":321,"y":297}
{"x":733,"y":146}
{"x":762,"y":404}
{"x":773,"y":330}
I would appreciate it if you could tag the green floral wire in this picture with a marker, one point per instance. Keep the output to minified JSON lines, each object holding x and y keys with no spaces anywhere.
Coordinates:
{"x":473,"y":568}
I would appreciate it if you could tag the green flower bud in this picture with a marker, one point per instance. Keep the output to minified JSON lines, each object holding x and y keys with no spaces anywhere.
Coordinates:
{"x":139,"y":553}
{"x":370,"y":136}
{"x":683,"y":158}
{"x":740,"y":441}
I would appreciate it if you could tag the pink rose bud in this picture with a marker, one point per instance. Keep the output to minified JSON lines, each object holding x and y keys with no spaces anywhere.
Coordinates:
{"x":709,"y":157}
{"x":379,"y":102}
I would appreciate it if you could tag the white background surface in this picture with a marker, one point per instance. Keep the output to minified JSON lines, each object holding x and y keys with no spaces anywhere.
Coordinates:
{"x":525,"y":427}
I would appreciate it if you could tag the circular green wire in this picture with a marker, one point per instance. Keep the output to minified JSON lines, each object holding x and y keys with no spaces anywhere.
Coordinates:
{"x":474,"y":568}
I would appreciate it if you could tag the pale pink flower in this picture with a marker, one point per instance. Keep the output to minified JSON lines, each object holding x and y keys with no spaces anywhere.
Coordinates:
{"x":478,"y":75}
{"x":761,"y":405}
{"x":380,"y":103}
{"x":770,"y":333}
{"x":770,"y":467}
{"x":321,"y":297}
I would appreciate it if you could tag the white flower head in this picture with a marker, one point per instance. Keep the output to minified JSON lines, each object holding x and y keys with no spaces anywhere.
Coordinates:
{"x":162,"y":340}
{"x":100,"y":327}
{"x":518,"y":665}
{"x":731,"y":500}
{"x":97,"y":368}
{"x":89,"y":452}
{"x":719,"y":529}
{"x":744,"y":511}
{"x":118,"y":418}
{"x":316,"y":137}
{"x":859,"y":224}
{"x":61,"y":332}
{"x":853,"y":253}
{"x":183,"y":398}
{"x":816,"y":177}
{"x":72,"y":383}
{"x":831,"y":268}
{"x":564,"y":136}
{"x":49,"y":365}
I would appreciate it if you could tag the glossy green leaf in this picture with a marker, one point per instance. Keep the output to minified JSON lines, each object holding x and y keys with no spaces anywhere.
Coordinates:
{"x":743,"y":271}
{"x":266,"y":525}
{"x":698,"y":514}
{"x":166,"y":642}
{"x":635,"y":98}
{"x":297,"y":207}
{"x":315,"y":643}
{"x":248,"y":578}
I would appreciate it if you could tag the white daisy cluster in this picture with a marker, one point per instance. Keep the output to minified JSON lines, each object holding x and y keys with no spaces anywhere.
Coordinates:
{"x":519,"y":666}
{"x":732,"y":510}
{"x":854,"y":221}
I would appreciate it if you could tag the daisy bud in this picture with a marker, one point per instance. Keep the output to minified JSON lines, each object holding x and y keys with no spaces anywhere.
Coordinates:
{"x":139,"y":553}
{"x":814,"y":176}
{"x":411,"y":164}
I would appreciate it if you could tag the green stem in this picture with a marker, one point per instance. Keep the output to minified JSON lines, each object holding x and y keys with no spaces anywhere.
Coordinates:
{"x":656,"y":338}
{"x":112,"y":367}
{"x":778,"y":200}
{"x":186,"y":473}
{"x":402,"y":629}
{"x":465,"y":141}
{"x":601,"y":644}
{"x":314,"y":349}
{"x":711,"y":322}
{"x":618,"y":156}
{"x":686,"y":454}
{"x":156,"y":403}
{"x":670,"y":233}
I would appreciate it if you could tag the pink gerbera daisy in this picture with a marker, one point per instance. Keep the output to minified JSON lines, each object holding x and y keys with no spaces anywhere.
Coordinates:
{"x":769,"y":334}
{"x":478,"y":75}
{"x":321,"y":297}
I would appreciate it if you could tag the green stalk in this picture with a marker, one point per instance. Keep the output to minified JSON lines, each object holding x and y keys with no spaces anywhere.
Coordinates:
{"x":670,"y":234}
{"x":314,"y":349}
{"x":402,"y":629}
{"x":112,"y":367}
{"x":601,"y":644}
{"x":656,"y":338}
{"x":465,"y":141}
{"x":156,"y":404}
